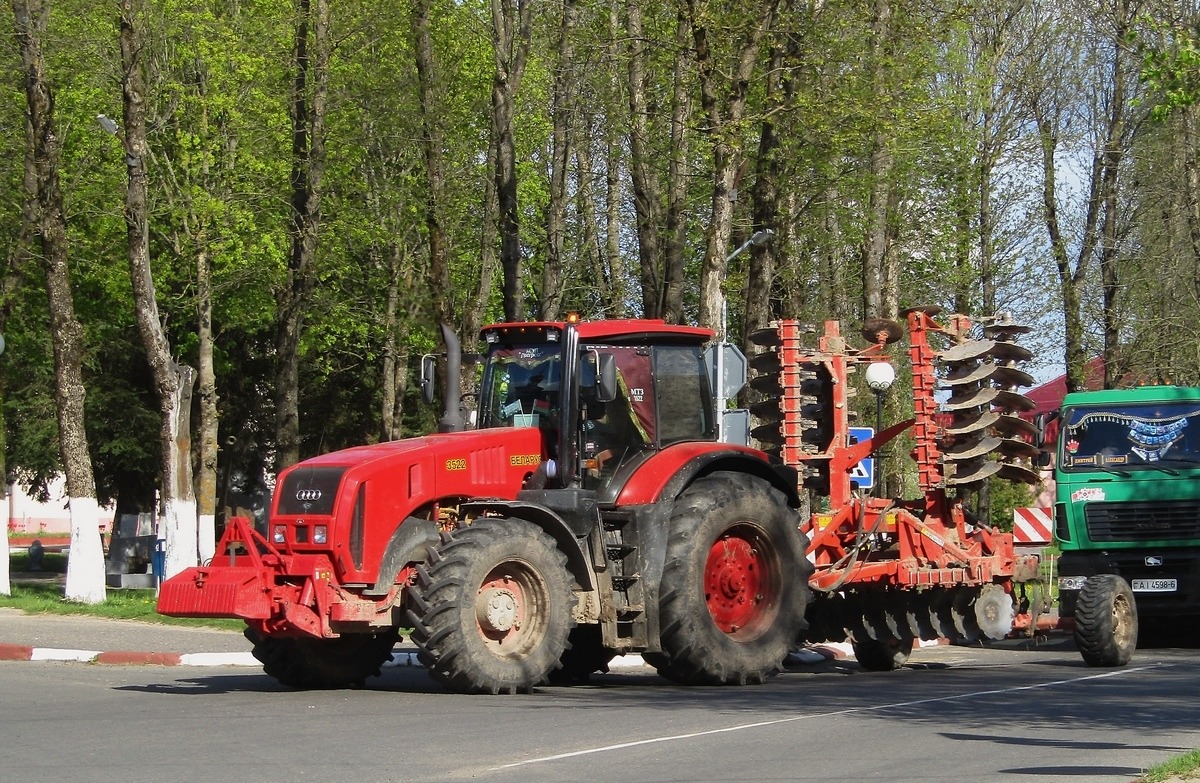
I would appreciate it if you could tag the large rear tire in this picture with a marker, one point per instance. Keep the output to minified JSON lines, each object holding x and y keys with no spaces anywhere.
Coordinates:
{"x":310,"y":663}
{"x":491,"y":608}
{"x":1106,"y":624}
{"x":735,"y":583}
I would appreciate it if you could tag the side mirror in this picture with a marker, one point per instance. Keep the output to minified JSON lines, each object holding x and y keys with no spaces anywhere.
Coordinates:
{"x":428,"y":371}
{"x":606,"y":383}
{"x":1039,"y":436}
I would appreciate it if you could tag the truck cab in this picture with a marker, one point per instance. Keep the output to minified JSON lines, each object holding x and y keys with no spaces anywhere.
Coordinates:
{"x":1128,"y":496}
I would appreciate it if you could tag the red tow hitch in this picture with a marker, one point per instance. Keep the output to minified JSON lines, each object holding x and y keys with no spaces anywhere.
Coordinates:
{"x":257,"y":583}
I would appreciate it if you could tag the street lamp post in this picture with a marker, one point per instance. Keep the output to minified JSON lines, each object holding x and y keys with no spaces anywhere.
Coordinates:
{"x":758,"y":239}
{"x":880,"y":376}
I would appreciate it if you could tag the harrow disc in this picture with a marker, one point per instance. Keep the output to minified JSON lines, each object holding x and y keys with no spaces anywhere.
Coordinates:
{"x":881,"y":330}
{"x":941,"y":615}
{"x":963,"y":611}
{"x":875,"y":618}
{"x":918,"y":617}
{"x":896,"y":609}
{"x":994,"y":612}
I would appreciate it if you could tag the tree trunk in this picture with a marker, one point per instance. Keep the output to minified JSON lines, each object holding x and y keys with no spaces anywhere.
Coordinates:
{"x":476,"y":306}
{"x":646,"y":191}
{"x":875,"y":245}
{"x":85,"y":567}
{"x":510,"y":40}
{"x":173,"y":382}
{"x":723,"y":110}
{"x":556,"y":210}
{"x":206,"y":535}
{"x":433,"y":141}
{"x":308,"y":169}
{"x":1069,"y":280}
{"x":678,"y":176}
{"x":757,"y":302}
{"x":1116,"y":142}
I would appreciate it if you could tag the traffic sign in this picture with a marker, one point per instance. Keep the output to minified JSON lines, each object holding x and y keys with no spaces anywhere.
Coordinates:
{"x":863,"y":474}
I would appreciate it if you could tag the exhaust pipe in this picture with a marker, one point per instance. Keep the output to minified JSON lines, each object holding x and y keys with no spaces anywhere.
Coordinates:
{"x":452,"y":419}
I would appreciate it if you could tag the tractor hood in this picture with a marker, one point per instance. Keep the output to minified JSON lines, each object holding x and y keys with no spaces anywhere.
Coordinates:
{"x":349,"y":503}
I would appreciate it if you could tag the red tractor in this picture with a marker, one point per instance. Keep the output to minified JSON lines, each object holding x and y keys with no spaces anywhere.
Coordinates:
{"x":592,"y":510}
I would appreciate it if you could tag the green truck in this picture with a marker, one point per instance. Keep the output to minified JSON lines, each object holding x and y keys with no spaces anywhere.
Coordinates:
{"x":1127,"y":514}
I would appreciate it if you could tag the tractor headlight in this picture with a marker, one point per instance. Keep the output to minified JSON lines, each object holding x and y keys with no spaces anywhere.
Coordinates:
{"x":279,"y":534}
{"x":320,"y":534}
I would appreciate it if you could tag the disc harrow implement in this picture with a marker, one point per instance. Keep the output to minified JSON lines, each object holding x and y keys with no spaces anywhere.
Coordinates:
{"x":889,"y":571}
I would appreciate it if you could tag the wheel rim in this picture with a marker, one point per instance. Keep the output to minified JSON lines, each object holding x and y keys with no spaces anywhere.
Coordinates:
{"x":510,"y":609}
{"x":741,"y":581}
{"x":1122,"y":616}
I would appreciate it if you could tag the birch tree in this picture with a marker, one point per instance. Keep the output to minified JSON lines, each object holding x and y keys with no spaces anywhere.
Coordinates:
{"x":173,"y":381}
{"x":85,"y":567}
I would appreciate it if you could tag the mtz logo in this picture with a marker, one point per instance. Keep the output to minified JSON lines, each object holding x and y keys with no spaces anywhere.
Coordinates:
{"x":308,"y":495}
{"x":1154,"y":561}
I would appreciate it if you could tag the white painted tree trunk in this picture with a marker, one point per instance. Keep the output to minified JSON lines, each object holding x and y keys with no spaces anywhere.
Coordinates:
{"x":207,"y":536}
{"x":179,"y":530}
{"x":5,"y":583}
{"x":85,"y":564}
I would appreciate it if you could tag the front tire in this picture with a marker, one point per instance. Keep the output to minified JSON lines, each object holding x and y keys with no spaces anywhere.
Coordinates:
{"x":311,"y":663}
{"x":491,"y":608}
{"x":735,"y":583}
{"x":1106,"y":624}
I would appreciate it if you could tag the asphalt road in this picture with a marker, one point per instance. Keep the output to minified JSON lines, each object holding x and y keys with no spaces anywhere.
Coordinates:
{"x":1000,"y":713}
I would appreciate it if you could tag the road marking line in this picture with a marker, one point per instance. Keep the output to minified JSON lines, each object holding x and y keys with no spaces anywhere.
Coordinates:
{"x":835,"y":713}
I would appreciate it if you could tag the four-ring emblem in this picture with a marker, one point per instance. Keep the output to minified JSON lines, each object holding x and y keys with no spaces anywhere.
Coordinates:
{"x":308,"y":495}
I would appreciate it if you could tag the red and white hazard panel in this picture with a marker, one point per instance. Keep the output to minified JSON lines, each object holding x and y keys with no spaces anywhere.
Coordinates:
{"x":1032,"y":525}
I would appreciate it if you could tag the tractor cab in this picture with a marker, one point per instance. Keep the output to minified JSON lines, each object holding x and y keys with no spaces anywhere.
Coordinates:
{"x":605,"y":395}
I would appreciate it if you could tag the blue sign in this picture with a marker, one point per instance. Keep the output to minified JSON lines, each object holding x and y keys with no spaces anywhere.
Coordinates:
{"x":863,"y":474}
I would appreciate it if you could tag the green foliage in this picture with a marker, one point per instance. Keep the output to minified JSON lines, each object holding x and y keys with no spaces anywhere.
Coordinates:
{"x":220,"y":166}
{"x":1185,"y":766}
{"x":1170,"y":63}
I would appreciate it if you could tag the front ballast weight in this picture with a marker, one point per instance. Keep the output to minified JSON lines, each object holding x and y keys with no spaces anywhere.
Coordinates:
{"x":891,"y":571}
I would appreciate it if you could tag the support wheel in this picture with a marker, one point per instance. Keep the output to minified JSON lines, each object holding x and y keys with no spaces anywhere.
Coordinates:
{"x":882,"y":655}
{"x":734,"y":585}
{"x":311,"y":663}
{"x":491,"y":608}
{"x":1106,"y":624}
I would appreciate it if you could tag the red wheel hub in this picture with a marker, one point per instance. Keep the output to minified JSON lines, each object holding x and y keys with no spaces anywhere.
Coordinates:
{"x":738,"y":581}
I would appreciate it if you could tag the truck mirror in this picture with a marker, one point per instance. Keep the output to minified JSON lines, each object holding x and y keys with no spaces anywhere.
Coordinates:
{"x":606,"y":382}
{"x":428,"y":370}
{"x":1039,"y":435}
{"x":1042,"y":460}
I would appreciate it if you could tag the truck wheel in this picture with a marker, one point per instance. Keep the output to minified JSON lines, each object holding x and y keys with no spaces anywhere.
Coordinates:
{"x":310,"y":663}
{"x":1106,"y":625}
{"x":491,"y":608}
{"x":585,"y":655}
{"x":882,"y":655}
{"x":734,"y":585}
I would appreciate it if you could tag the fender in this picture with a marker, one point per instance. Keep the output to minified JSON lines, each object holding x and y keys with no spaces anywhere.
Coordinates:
{"x":408,"y":544}
{"x":552,"y":523}
{"x":666,"y":474}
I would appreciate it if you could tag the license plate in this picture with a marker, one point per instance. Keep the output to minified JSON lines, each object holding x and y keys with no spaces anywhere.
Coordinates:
{"x":1155,"y":585}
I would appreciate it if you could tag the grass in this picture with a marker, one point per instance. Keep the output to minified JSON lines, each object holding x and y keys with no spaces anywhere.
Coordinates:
{"x":1183,"y":767}
{"x":45,"y":596}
